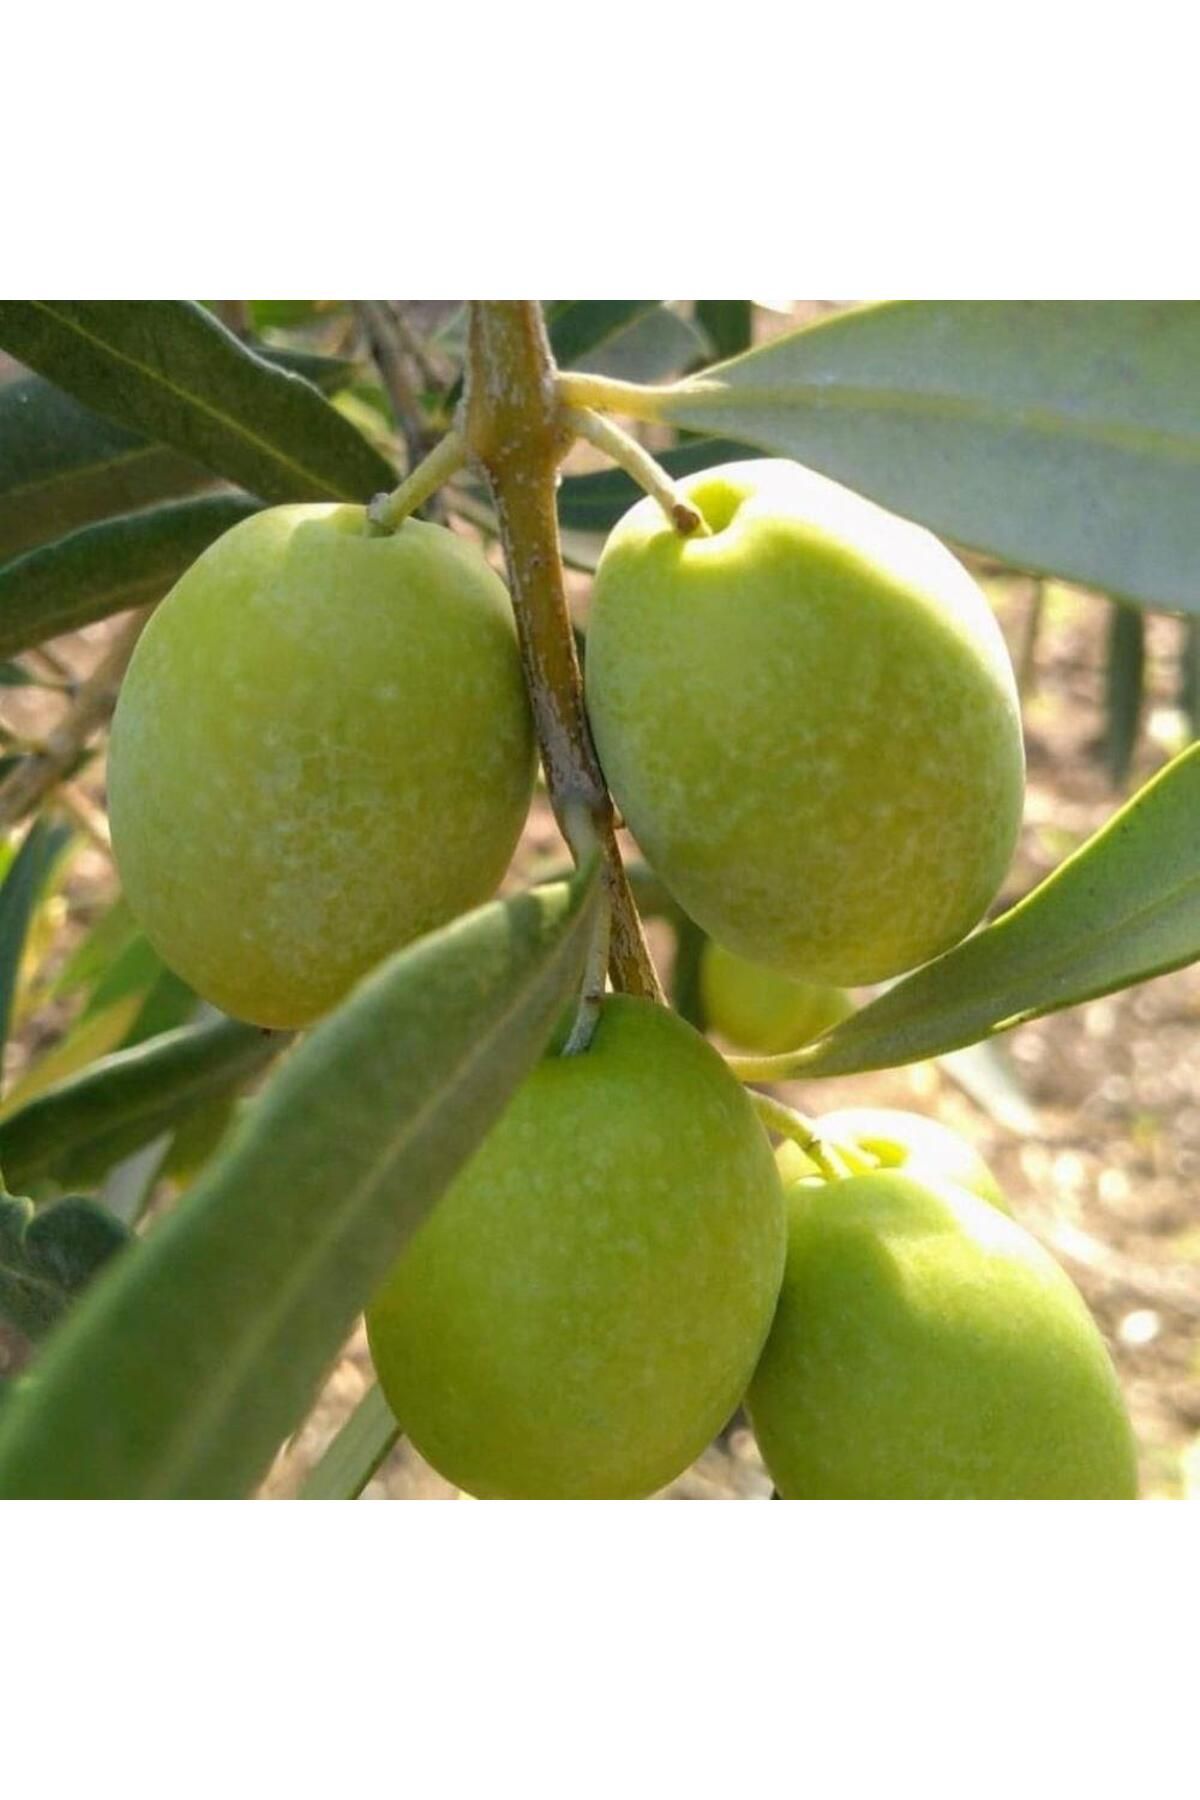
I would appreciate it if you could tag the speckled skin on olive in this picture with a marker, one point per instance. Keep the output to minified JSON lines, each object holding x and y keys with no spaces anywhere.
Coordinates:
{"x":809,"y":720}
{"x":322,"y":749}
{"x":926,"y":1348}
{"x":761,"y":1009}
{"x":583,"y":1309}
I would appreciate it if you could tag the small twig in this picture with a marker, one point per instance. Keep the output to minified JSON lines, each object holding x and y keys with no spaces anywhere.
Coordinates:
{"x":388,"y":511}
{"x":516,"y":432}
{"x":29,"y":784}
{"x":429,"y":373}
{"x":630,"y":398}
{"x":86,"y":814}
{"x":381,"y":327}
{"x":833,"y":1161}
{"x":641,"y":467}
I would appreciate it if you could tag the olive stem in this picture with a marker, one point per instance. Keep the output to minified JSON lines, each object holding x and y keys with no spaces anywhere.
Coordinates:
{"x":381,"y":327}
{"x":514,"y":430}
{"x":641,"y":467}
{"x":388,"y":511}
{"x":606,"y":395}
{"x":786,"y":1122}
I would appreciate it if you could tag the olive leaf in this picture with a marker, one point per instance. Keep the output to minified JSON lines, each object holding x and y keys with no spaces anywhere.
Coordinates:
{"x":728,"y":324}
{"x":105,"y":568}
{"x":22,"y":889}
{"x":1124,"y":687}
{"x":47,"y":1258}
{"x":1063,"y":437}
{"x":1123,"y":908}
{"x":76,"y":1129}
{"x":355,"y":1453}
{"x":169,"y":369}
{"x":186,"y":1368}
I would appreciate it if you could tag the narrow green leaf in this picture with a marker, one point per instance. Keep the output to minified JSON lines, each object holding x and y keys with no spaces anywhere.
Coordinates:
{"x":102,"y":569}
{"x":124,"y":1100}
{"x":1124,"y":686}
{"x":1059,"y":436}
{"x":728,"y":323}
{"x":62,"y":466}
{"x":23,"y":886}
{"x":169,"y":369}
{"x":1123,"y":908}
{"x":186,"y":1368}
{"x":582,"y":328}
{"x":651,"y":347}
{"x":48,"y":1258}
{"x":595,"y":502}
{"x":359,"y":1448}
{"x":95,"y":952}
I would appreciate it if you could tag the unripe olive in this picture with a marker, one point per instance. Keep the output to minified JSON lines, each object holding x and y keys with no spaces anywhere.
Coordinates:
{"x":322,"y":749}
{"x":583,"y":1309}
{"x":926,"y":1347}
{"x":809,"y":720}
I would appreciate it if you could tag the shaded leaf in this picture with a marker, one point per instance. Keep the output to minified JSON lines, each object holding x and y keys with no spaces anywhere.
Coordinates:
{"x":23,"y":886}
{"x":124,"y":1100}
{"x":728,"y":325}
{"x":105,"y":568}
{"x":359,"y":1448}
{"x":188,"y":1366}
{"x":1063,"y":437}
{"x":654,"y":345}
{"x":1123,"y":908}
{"x":47,"y":1258}
{"x":582,"y":328}
{"x":595,"y":502}
{"x":62,"y":466}
{"x":169,"y":369}
{"x":1124,"y":684}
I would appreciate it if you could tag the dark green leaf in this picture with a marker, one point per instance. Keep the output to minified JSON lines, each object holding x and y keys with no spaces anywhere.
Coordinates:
{"x":582,"y":328}
{"x":124,"y":1100}
{"x":48,"y":1258}
{"x":595,"y":502}
{"x":169,"y":369}
{"x":728,"y":324}
{"x":105,"y":568}
{"x":1062,"y":437}
{"x":651,"y":347}
{"x":355,"y":1453}
{"x":19,"y":896}
{"x":686,"y":995}
{"x":1123,"y":908}
{"x":1124,"y":682}
{"x":62,"y":466}
{"x":188,"y":1366}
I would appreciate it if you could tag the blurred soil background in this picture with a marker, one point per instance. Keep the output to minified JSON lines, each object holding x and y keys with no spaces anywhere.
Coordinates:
{"x":1090,"y":1119}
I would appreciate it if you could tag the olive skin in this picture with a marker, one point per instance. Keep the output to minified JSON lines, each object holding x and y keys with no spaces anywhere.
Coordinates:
{"x":322,"y":749}
{"x":582,"y":1311}
{"x":809,"y":721}
{"x":925,"y":1347}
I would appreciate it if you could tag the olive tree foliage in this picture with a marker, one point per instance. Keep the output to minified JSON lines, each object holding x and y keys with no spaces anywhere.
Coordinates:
{"x":171,"y":1352}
